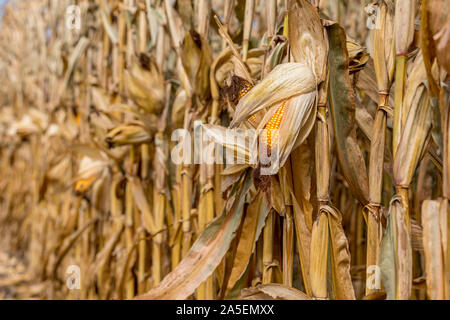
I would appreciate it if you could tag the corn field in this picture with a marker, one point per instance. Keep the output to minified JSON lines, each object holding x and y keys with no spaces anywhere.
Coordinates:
{"x":104,"y":102}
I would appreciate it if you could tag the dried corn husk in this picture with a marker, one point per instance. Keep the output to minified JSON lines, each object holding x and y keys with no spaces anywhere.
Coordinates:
{"x":395,"y":254}
{"x":435,"y":237}
{"x":285,"y":81}
{"x":145,"y":84}
{"x":131,"y":133}
{"x":306,"y":37}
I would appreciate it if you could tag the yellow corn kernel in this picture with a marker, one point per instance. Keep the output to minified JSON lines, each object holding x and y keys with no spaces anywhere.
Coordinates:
{"x":253,"y":118}
{"x":244,"y":90}
{"x":270,"y":132}
{"x":83,"y":184}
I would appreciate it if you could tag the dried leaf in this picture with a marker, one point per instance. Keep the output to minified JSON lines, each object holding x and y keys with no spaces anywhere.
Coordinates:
{"x":342,"y":103}
{"x":272,"y":291}
{"x":306,"y":37}
{"x":204,"y":255}
{"x":319,"y":256}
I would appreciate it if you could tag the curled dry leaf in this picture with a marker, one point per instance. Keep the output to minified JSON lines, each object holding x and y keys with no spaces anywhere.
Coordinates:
{"x":396,"y":254}
{"x":205,"y":254}
{"x":251,"y":230}
{"x":413,"y":141}
{"x":342,"y":280}
{"x":273,"y":291}
{"x":435,"y":228}
{"x":342,"y":103}
{"x":319,"y":256}
{"x":306,"y":37}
